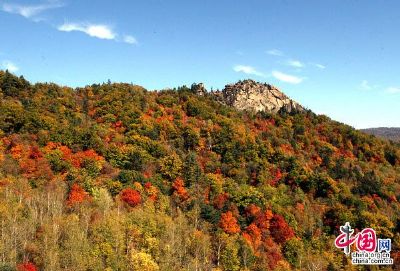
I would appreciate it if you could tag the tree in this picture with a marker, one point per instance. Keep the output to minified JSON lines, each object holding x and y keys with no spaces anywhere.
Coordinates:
{"x":76,"y":195}
{"x":253,"y":236}
{"x":28,"y":266}
{"x":131,"y":197}
{"x":229,"y":256}
{"x":12,"y":116}
{"x":12,"y":85}
{"x":370,"y":184}
{"x":293,"y":250}
{"x":392,"y":156}
{"x":191,"y":169}
{"x":228,"y":223}
{"x":272,"y":255}
{"x":143,"y":261}
{"x":280,"y":230}
{"x":263,"y":219}
{"x":6,"y":267}
{"x":179,"y":189}
{"x":190,"y":138}
{"x":171,"y":166}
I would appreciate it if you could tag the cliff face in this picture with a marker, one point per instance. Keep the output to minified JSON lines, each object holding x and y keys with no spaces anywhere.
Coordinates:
{"x":254,"y":96}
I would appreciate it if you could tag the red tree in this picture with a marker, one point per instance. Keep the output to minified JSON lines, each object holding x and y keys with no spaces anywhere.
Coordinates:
{"x":35,"y":153}
{"x":228,"y":223}
{"x":272,"y":253}
{"x":253,"y":236}
{"x":26,"y":267}
{"x":76,"y":195}
{"x":131,"y":197}
{"x":263,"y":219}
{"x":280,"y":230}
{"x":219,"y":200}
{"x":179,"y":189}
{"x":252,"y":210}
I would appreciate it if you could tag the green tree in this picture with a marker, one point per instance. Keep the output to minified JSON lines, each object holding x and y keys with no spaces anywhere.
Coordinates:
{"x":171,"y":166}
{"x":293,"y":251}
{"x":230,"y":260}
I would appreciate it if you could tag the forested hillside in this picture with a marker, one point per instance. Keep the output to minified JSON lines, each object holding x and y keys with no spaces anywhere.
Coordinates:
{"x":390,"y":133}
{"x":115,"y":177}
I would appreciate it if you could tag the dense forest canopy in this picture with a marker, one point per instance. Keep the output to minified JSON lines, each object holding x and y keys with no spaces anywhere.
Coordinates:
{"x":115,"y":177}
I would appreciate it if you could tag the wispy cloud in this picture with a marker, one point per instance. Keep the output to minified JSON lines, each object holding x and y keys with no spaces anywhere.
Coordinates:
{"x":365,"y":85}
{"x":275,"y":52}
{"x":30,"y":11}
{"x":100,"y":31}
{"x":130,"y":39}
{"x":295,"y":63}
{"x":10,"y":66}
{"x":393,"y":90}
{"x":291,"y":79}
{"x":319,"y":66}
{"x":248,"y":70}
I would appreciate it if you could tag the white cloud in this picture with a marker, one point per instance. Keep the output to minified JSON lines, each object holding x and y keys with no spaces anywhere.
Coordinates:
{"x":248,"y":70}
{"x":317,"y":65}
{"x":100,"y":31}
{"x":393,"y":90}
{"x":130,"y":39}
{"x":287,"y":77}
{"x":275,"y":52}
{"x":30,"y":11}
{"x":320,"y":66}
{"x":10,"y":66}
{"x":295,"y":63}
{"x":365,"y":85}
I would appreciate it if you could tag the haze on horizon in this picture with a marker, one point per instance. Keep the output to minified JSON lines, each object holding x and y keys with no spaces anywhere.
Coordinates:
{"x":336,"y":58}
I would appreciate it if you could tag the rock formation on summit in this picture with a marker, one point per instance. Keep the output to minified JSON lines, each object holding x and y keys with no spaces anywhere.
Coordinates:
{"x":199,"y":89}
{"x":254,"y":96}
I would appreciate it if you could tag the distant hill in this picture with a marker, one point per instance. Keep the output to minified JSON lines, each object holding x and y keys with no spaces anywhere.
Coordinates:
{"x":391,"y":133}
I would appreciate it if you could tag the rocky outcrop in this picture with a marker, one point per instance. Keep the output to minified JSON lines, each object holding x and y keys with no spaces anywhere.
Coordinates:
{"x":199,"y":89}
{"x":254,"y":96}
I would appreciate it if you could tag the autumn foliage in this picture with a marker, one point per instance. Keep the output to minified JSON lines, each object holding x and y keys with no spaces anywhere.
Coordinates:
{"x":76,"y":159}
{"x":219,"y":200}
{"x":179,"y":189}
{"x":280,"y":230}
{"x":28,"y":266}
{"x":228,"y":223}
{"x":217,"y":188}
{"x":272,"y":253}
{"x":262,"y":219}
{"x":131,"y":197}
{"x":253,"y":235}
{"x":151,"y":191}
{"x":76,"y":195}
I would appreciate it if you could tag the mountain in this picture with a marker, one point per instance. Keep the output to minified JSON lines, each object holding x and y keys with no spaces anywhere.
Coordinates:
{"x":391,"y":133}
{"x":115,"y":177}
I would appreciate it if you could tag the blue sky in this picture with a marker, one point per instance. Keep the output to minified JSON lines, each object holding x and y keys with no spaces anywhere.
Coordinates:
{"x":339,"y":58}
